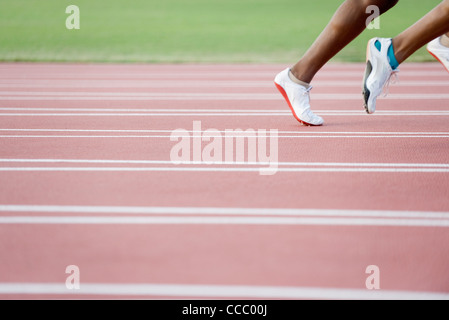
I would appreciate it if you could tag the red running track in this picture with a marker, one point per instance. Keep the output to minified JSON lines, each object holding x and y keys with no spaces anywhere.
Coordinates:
{"x":87,"y":180}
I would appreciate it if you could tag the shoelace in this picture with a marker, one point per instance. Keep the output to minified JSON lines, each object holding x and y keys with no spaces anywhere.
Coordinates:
{"x":307,"y":91}
{"x":392,"y":79}
{"x":307,"y":111}
{"x":310,"y":115}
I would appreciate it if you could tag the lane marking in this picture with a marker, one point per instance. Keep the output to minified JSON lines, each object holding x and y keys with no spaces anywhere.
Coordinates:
{"x":223,"y":131}
{"x":126,"y":210}
{"x":236,"y":114}
{"x":83,"y":112}
{"x":217,"y":136}
{"x":219,"y":169}
{"x":166,"y":110}
{"x":168,"y":162}
{"x":216,"y":291}
{"x":151,"y":84}
{"x":139,"y":96}
{"x":213,"y":111}
{"x":92,"y":220}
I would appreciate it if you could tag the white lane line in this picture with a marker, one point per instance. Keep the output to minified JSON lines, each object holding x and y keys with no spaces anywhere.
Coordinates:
{"x":228,"y":98}
{"x":224,"y":131}
{"x":152,"y":84}
{"x":223,"y":163}
{"x":213,"y":111}
{"x":203,"y":112}
{"x":93,"y":220}
{"x":217,"y":211}
{"x":211,"y":136}
{"x":217,"y":291}
{"x":166,"y":110}
{"x":237,"y":114}
{"x":154,"y":114}
{"x":219,"y":169}
{"x":249,"y":95}
{"x":139,"y":96}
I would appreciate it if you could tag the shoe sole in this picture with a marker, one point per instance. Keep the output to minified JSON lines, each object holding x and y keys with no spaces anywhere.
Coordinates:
{"x":284,"y":94}
{"x":369,"y":68}
{"x":439,"y":60}
{"x":366,"y":93}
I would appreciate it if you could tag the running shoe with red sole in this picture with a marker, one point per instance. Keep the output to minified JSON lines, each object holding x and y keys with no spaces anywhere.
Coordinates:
{"x":297,"y":98}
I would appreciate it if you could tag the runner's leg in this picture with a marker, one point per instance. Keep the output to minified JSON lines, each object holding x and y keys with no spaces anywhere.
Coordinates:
{"x":346,"y":24}
{"x":431,"y":26}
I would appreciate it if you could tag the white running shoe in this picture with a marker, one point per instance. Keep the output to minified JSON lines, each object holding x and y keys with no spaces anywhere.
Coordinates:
{"x":440,"y":52}
{"x":378,"y":72}
{"x":298,"y":99}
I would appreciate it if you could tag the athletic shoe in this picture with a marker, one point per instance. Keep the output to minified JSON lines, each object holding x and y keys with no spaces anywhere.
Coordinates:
{"x":378,"y":71}
{"x":298,"y":99}
{"x":440,"y":52}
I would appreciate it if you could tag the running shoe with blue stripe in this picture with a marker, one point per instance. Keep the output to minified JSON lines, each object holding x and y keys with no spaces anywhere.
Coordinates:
{"x":378,"y":71}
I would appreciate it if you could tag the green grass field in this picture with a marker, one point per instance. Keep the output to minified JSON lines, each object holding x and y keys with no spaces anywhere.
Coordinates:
{"x":174,"y":31}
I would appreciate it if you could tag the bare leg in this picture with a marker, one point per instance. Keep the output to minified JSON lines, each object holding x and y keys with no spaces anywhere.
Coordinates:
{"x":432,"y":25}
{"x":347,"y":23}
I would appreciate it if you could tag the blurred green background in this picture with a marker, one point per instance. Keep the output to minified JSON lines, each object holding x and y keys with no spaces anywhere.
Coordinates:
{"x":172,"y":31}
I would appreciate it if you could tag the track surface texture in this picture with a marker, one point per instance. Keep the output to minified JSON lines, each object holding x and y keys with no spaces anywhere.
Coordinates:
{"x":87,"y":179}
